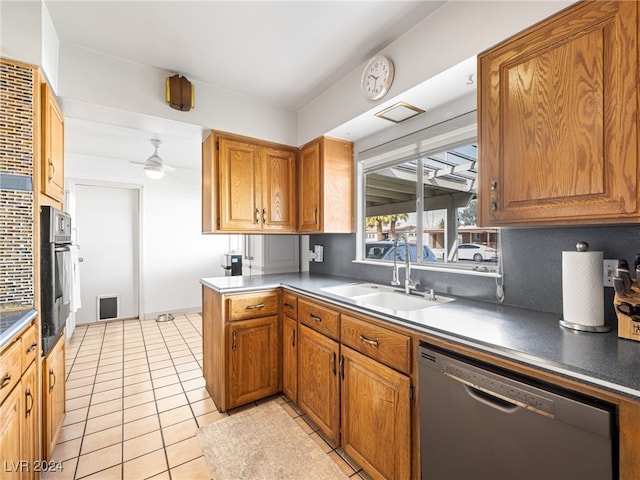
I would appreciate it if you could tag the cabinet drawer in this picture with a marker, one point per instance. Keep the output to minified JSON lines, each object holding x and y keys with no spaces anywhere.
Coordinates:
{"x":252,"y":305}
{"x":29,"y":346}
{"x":385,"y":346}
{"x":10,"y":368}
{"x":319,"y":318}
{"x":290,"y":305}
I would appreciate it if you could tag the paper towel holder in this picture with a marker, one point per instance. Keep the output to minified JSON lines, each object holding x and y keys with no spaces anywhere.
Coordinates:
{"x":583,"y":247}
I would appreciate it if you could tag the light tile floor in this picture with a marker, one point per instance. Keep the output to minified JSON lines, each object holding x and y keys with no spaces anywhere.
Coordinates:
{"x":135,"y":398}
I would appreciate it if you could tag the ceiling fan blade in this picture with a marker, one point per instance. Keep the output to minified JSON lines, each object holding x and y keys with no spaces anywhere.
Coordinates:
{"x":137,"y":163}
{"x":169,"y":169}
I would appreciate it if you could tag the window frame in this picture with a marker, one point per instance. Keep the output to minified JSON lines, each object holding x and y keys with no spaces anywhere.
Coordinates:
{"x":449,"y":134}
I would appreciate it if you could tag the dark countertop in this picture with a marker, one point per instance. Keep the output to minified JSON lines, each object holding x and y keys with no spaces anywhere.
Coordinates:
{"x":12,"y":322}
{"x":528,"y":337}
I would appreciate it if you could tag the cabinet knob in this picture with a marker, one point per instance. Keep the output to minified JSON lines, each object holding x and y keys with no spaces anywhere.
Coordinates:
{"x":264,"y":216}
{"x":494,"y":185}
{"x":494,"y":206}
{"x":315,"y":317}
{"x":257,"y":216}
{"x":5,"y":380}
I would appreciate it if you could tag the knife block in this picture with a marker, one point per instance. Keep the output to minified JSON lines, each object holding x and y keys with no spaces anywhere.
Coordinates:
{"x":627,"y":328}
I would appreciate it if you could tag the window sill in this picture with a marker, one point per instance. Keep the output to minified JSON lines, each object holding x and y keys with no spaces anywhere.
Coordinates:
{"x":435,"y":268}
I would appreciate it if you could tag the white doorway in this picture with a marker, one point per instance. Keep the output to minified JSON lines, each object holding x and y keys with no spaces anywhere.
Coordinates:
{"x":107,"y":226}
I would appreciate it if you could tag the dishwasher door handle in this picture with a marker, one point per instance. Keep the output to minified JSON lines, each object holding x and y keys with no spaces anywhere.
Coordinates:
{"x":491,"y":399}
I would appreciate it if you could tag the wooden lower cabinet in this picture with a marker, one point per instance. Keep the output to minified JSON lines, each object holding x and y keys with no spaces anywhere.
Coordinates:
{"x":290,"y":358}
{"x":318,"y":381}
{"x":241,"y":346}
{"x":19,"y":440}
{"x":376,"y":416}
{"x":253,"y":366}
{"x":53,"y":393}
{"x":29,"y":417}
{"x":10,"y":434}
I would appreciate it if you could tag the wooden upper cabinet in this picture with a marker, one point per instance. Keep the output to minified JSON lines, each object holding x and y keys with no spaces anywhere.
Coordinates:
{"x":247,"y":185}
{"x":52,"y":159}
{"x":239,"y":183}
{"x":279,"y":189}
{"x":558,"y":126}
{"x":325,"y":188}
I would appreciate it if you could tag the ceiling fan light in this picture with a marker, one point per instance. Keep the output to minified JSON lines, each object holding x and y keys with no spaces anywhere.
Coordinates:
{"x":154,"y":172}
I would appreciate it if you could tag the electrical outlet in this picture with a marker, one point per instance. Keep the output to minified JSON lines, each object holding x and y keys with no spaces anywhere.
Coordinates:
{"x":319,"y":253}
{"x":609,"y":271}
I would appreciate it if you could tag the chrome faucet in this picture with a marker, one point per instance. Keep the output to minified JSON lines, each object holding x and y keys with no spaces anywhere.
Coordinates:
{"x":409,"y":284}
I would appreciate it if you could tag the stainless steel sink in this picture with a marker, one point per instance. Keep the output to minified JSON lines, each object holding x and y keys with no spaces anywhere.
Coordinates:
{"x":384,"y":297}
{"x":351,"y":290}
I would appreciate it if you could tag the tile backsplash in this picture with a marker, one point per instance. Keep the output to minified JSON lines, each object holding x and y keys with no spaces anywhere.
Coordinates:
{"x":16,"y":191}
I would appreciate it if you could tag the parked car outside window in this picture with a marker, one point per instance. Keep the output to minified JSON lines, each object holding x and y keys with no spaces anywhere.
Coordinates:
{"x":478,"y":253}
{"x":385,"y":250}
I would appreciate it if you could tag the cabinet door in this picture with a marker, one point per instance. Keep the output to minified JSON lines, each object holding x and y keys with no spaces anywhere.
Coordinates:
{"x":309,"y":208}
{"x":318,"y":381}
{"x":10,"y":443}
{"x":29,"y":419}
{"x":239,"y":177}
{"x":278,"y":190}
{"x":54,"y":396}
{"x":52,"y":146}
{"x":290,"y":358}
{"x":253,"y":366}
{"x":376,"y":416}
{"x":558,"y":120}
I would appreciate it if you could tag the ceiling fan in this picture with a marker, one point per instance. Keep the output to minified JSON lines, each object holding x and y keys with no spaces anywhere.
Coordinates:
{"x":154,"y":167}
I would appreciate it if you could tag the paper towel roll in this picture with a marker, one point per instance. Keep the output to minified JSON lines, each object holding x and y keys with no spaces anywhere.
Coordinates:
{"x":582,"y":288}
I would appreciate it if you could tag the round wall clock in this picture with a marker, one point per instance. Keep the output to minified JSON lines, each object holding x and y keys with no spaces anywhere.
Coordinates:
{"x":377,"y":77}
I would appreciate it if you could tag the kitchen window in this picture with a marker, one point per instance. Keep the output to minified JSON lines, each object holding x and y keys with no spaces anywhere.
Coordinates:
{"x":423,"y":188}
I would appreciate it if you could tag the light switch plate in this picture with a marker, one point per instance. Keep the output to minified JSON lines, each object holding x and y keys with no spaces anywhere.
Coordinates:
{"x":609,"y":271}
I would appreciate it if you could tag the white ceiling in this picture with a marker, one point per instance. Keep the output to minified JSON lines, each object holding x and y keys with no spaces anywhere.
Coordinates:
{"x":247,"y":47}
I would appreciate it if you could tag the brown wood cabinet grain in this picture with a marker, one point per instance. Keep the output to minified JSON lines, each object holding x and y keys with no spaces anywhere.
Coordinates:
{"x":253,"y":367}
{"x":376,"y":416}
{"x":247,"y":185}
{"x":52,"y":158}
{"x":29,"y":415}
{"x":381,"y":344}
{"x":290,"y":358}
{"x":19,"y":406}
{"x":53,"y":391}
{"x":319,"y":317}
{"x":318,"y":381}
{"x":239,"y":183}
{"x":326,"y":187}
{"x":558,"y":121}
{"x":241,"y":351}
{"x":10,"y":434}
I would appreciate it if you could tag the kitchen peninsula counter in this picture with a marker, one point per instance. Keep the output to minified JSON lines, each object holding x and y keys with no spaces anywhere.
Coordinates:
{"x":528,"y":337}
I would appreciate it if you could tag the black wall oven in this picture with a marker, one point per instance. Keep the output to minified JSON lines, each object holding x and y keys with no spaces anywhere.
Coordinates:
{"x":55,"y":274}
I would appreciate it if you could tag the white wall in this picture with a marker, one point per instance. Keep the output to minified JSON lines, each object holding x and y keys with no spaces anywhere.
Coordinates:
{"x":20,"y":31}
{"x":175,"y":254}
{"x":93,"y":78}
{"x":455,"y":32}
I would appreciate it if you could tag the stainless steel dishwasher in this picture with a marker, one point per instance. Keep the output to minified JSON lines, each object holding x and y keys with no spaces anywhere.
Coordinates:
{"x":480,"y":422}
